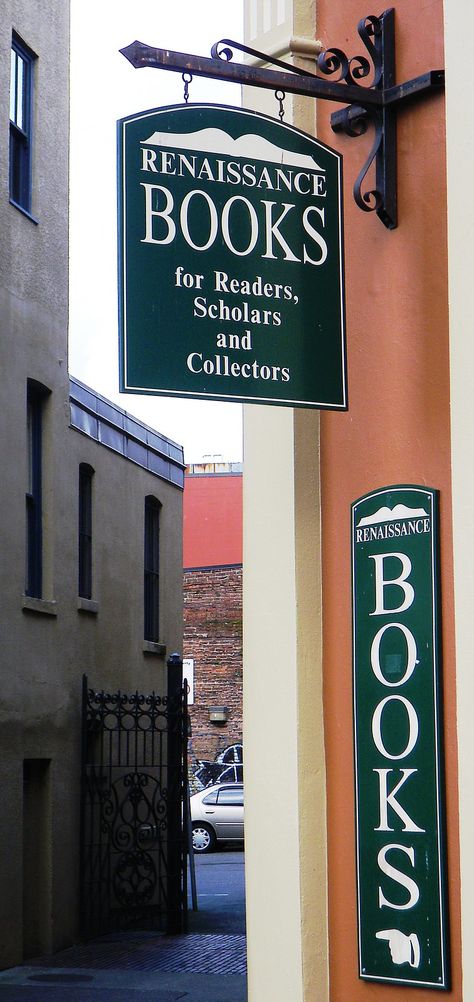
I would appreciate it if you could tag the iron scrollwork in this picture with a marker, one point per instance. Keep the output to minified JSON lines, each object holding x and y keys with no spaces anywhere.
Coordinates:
{"x":357,"y":67}
{"x":333,"y":62}
{"x":224,"y":49}
{"x":132,"y":784}
{"x":366,"y":83}
{"x":135,"y":879}
{"x":377,"y":34}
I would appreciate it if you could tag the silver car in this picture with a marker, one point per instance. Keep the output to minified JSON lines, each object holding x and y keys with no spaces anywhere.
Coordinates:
{"x":217,"y":815}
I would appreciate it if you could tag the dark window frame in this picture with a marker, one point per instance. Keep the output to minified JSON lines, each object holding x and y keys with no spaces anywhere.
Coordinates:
{"x":152,"y":570}
{"x":86,"y":474}
{"x":36,"y":395}
{"x":21,"y":123}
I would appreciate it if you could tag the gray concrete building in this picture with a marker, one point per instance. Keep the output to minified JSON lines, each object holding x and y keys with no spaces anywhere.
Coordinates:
{"x":82,"y":483}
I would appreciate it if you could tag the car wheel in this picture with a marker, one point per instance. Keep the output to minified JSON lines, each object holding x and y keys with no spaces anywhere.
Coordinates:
{"x":204,"y":838}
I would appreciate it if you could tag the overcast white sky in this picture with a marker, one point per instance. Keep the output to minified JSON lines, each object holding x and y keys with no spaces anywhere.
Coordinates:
{"x":105,"y":87}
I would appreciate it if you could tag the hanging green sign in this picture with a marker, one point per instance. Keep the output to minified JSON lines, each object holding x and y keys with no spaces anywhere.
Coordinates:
{"x":230,"y":258}
{"x":399,"y":817}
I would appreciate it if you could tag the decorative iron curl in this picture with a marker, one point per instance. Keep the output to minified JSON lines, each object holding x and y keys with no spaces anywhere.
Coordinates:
{"x":101,"y":704}
{"x":352,"y":70}
{"x":333,"y":61}
{"x":225,"y":53}
{"x":353,"y":124}
{"x":370,"y":27}
{"x":224,"y":49}
{"x":135,"y":879}
{"x":343,"y":69}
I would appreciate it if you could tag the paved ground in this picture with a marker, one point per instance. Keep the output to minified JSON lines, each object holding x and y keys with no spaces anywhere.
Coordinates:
{"x":206,"y":965}
{"x":220,"y":881}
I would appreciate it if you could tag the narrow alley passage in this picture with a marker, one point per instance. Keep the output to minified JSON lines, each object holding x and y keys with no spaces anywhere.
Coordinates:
{"x":207,"y":964}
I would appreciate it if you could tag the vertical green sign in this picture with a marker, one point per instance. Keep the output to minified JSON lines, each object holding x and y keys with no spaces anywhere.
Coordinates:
{"x":230,"y":258}
{"x":399,"y":817}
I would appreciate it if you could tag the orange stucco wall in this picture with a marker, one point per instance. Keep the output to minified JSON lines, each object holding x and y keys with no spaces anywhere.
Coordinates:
{"x":396,"y":430}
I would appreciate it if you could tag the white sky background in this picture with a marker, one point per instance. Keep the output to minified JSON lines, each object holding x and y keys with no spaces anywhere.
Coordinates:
{"x":105,"y":87}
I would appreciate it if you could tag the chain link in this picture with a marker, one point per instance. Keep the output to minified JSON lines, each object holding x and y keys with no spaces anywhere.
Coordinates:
{"x":186,"y":78}
{"x":280,"y":96}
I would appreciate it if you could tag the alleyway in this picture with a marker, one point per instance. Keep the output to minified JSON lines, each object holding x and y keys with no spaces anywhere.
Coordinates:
{"x":208,"y":964}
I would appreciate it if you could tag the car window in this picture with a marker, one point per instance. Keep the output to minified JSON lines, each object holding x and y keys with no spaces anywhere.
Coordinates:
{"x":211,"y":798}
{"x":231,"y":796}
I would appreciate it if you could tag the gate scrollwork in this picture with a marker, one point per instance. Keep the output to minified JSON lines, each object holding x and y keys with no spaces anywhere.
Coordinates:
{"x":132,"y":788}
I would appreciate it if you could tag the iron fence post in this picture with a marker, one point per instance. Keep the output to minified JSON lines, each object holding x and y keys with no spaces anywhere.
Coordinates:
{"x":177,"y":882}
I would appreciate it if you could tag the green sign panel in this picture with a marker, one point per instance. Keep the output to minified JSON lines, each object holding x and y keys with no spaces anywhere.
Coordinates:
{"x":399,"y":817}
{"x":230,"y":258}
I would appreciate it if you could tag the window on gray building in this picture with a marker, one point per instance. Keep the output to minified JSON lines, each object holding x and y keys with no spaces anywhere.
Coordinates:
{"x":85,"y":530}
{"x":21,"y":120}
{"x":36,"y":394}
{"x":152,"y":569}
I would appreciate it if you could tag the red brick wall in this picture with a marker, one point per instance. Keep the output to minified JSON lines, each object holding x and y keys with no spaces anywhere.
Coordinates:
{"x":213,"y":637}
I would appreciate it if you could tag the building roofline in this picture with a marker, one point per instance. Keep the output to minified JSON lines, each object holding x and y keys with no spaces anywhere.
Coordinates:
{"x":218,"y":469}
{"x":114,"y":428}
{"x":212,"y":567}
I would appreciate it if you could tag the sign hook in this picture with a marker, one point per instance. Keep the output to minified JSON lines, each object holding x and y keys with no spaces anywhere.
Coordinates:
{"x":280,"y":96}
{"x":186,"y":78}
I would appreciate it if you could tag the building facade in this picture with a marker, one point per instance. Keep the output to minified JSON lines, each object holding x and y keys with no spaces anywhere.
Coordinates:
{"x":409,"y":422}
{"x":83,"y":487}
{"x":212,"y":645}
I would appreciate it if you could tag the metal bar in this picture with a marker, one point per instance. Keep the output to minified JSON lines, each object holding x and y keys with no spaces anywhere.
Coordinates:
{"x":187,"y":807}
{"x":339,"y":119}
{"x":227,"y":53}
{"x":422,"y":86}
{"x":177,"y":876}
{"x":386,"y":159}
{"x":141,"y":55}
{"x":374,"y":105}
{"x":431,"y":82}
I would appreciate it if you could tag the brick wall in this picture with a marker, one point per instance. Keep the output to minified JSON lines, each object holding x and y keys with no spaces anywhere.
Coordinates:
{"x":213,"y":637}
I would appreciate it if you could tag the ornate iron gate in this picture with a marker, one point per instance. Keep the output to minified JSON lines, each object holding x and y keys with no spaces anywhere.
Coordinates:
{"x":133,"y":861}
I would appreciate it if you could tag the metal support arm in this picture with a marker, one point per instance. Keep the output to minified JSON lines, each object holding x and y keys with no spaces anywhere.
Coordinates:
{"x":374,"y":104}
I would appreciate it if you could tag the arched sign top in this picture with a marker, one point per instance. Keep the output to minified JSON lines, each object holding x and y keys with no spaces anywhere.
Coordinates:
{"x":230,"y":258}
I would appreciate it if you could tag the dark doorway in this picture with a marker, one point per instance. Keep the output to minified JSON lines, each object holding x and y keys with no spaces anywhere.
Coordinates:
{"x":37,"y":862}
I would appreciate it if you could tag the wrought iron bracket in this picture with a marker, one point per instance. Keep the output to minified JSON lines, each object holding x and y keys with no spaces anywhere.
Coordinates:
{"x":374,"y":103}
